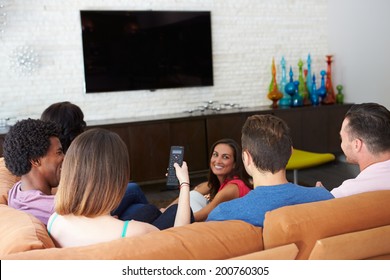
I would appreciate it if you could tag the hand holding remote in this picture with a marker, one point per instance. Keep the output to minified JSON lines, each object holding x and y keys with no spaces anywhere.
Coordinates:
{"x":176,"y":155}
{"x":182,"y":173}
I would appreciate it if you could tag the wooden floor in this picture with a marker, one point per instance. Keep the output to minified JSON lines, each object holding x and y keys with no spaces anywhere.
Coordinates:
{"x":331,"y":175}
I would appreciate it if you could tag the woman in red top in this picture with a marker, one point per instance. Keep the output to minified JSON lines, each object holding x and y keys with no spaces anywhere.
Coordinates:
{"x":227,"y":179}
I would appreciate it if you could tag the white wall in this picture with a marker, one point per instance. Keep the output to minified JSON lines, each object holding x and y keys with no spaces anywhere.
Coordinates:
{"x":246,"y":35}
{"x":359,"y":37}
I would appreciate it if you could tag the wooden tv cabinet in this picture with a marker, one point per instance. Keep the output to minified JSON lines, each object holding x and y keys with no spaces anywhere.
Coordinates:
{"x":148,"y":139}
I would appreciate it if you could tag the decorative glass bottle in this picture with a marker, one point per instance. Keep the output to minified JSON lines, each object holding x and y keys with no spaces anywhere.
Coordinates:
{"x":309,"y":83}
{"x":321,"y":92}
{"x":314,"y":98}
{"x":330,"y":94}
{"x":339,"y":95}
{"x":274,"y":94}
{"x":296,"y":99}
{"x":290,"y":87}
{"x":286,"y":99}
{"x":302,"y":89}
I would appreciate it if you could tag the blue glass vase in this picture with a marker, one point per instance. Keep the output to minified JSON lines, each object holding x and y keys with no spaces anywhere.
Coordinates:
{"x":314,"y":98}
{"x":286,"y":99}
{"x":309,"y":83}
{"x":322,"y":90}
{"x":296,"y":99}
{"x":290,"y":87}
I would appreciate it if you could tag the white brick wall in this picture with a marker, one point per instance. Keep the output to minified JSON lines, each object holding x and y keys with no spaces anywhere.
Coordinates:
{"x":246,"y":35}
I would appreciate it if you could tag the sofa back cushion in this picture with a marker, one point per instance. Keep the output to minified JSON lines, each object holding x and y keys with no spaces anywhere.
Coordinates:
{"x":21,"y":232}
{"x":304,"y":224}
{"x":7,"y":180}
{"x":203,"y":240}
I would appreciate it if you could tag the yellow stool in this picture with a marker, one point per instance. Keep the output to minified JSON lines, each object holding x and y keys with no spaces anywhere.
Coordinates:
{"x":303,"y":159}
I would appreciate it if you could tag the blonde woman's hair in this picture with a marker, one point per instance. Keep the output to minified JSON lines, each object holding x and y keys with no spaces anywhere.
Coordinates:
{"x":94,"y":175}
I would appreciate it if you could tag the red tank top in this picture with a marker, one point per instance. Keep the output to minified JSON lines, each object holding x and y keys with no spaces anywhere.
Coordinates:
{"x":242,"y":188}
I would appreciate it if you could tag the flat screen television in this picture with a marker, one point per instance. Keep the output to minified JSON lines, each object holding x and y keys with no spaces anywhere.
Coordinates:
{"x":146,"y":50}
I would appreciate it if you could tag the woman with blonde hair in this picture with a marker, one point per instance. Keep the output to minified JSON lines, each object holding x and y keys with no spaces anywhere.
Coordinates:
{"x":95,"y":173}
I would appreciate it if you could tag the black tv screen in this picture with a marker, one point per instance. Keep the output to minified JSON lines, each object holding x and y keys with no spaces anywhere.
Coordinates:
{"x":135,"y":50}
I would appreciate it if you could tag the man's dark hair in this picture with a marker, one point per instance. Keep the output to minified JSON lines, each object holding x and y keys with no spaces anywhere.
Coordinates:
{"x":69,"y":118}
{"x":370,"y":122}
{"x":267,"y":138}
{"x":25,"y":141}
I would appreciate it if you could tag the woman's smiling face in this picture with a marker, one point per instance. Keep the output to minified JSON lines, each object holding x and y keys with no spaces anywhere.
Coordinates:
{"x":222,"y":161}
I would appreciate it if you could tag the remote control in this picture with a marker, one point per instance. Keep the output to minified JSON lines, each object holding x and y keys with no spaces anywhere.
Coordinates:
{"x":176,"y":155}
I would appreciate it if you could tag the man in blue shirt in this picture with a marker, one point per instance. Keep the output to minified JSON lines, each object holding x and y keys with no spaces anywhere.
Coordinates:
{"x":267,"y":147}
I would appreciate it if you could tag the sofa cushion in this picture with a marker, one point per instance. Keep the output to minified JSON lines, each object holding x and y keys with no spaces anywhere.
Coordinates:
{"x":21,"y":232}
{"x":285,"y":252}
{"x":366,"y":244}
{"x":7,"y":180}
{"x":304,"y":224}
{"x":203,"y":240}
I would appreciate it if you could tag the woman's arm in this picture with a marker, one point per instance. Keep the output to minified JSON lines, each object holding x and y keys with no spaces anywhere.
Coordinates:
{"x":139,"y":228}
{"x":183,"y":214}
{"x":201,"y":188}
{"x":229,"y":192}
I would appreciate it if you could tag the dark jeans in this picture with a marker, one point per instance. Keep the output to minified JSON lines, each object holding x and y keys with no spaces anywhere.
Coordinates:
{"x":135,"y":206}
{"x":132,"y":201}
{"x":152,"y":215}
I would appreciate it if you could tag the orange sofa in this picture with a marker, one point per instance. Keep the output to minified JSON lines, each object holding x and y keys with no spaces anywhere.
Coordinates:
{"x":355,"y":227}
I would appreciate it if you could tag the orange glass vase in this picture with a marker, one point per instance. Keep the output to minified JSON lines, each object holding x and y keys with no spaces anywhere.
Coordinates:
{"x":274,"y":94}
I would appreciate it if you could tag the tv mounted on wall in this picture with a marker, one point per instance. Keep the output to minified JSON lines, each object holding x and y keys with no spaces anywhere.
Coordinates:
{"x":146,"y":50}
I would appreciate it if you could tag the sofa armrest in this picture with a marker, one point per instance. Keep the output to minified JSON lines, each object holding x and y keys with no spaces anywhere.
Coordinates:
{"x":7,"y":180}
{"x":21,"y":232}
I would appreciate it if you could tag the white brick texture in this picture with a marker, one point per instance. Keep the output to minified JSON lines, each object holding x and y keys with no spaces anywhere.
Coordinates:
{"x":247,"y":34}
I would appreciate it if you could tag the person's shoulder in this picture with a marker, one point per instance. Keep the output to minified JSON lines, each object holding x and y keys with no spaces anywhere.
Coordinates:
{"x":36,"y":197}
{"x":139,"y":228}
{"x":39,"y":195}
{"x":15,"y":187}
{"x":319,"y":190}
{"x":259,"y":190}
{"x":229,"y":205}
{"x":323,"y":191}
{"x":221,"y":211}
{"x":235,"y":180}
{"x":384,"y":163}
{"x":238,"y":182}
{"x":228,"y":187}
